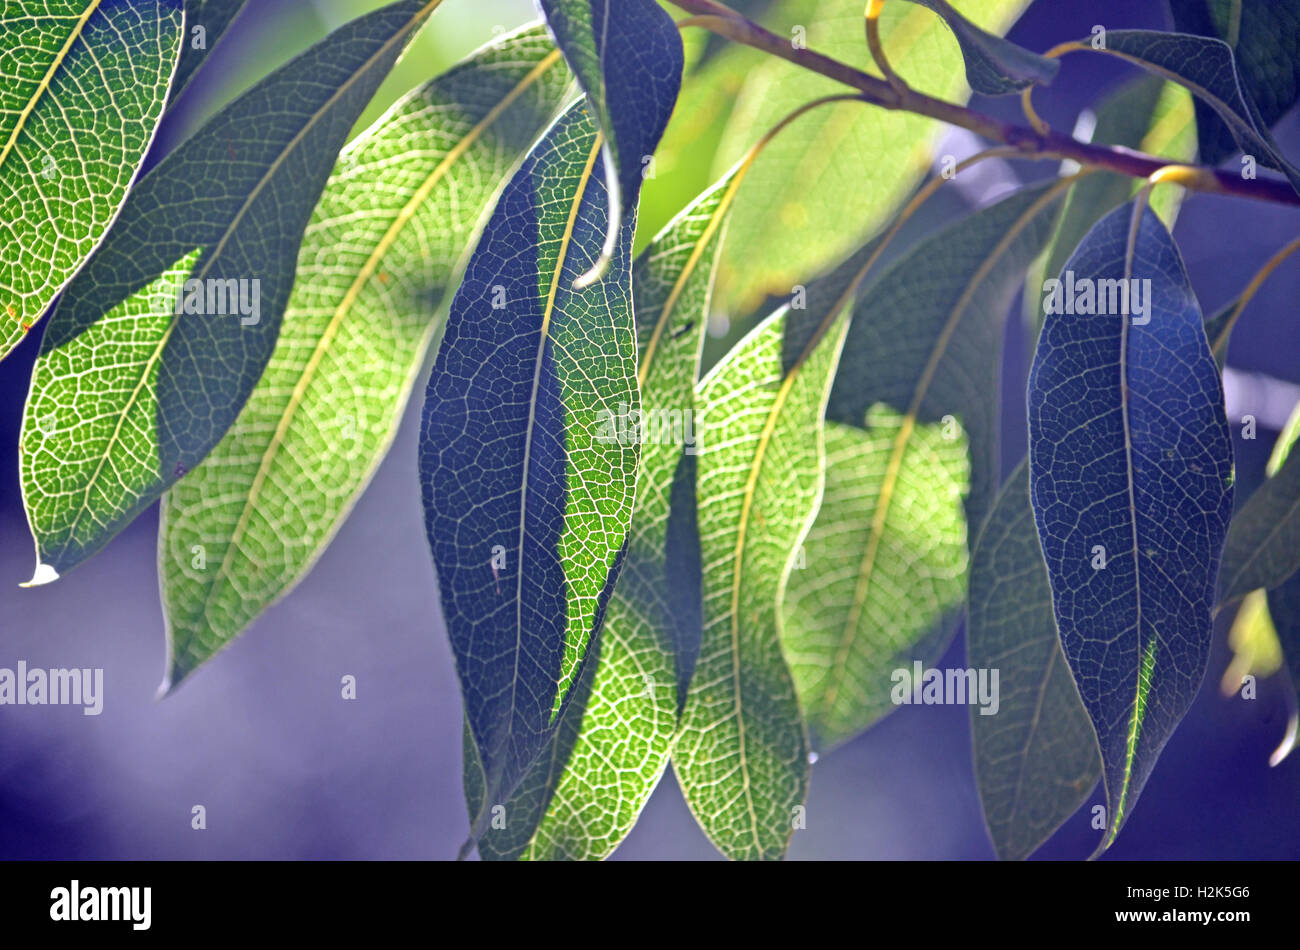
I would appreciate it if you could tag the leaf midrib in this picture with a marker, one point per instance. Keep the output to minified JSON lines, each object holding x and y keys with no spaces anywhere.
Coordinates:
{"x":229,"y":230}
{"x":48,"y":78}
{"x":366,"y":272}
{"x":1130,"y":745}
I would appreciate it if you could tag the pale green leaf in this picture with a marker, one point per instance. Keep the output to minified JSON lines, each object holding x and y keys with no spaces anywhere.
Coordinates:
{"x":831,"y":165}
{"x":137,"y":382}
{"x":82,"y":86}
{"x":912,"y":457}
{"x":377,"y":261}
{"x":742,"y":755}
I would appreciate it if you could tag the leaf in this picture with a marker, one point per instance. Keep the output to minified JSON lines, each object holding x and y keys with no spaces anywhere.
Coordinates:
{"x":1036,"y":759}
{"x":527,"y":488}
{"x":84,"y":87}
{"x":994,"y":66}
{"x":1256,"y":548}
{"x":377,"y":261}
{"x":1253,"y":641}
{"x":1147,"y":114}
{"x":1205,"y":66}
{"x":205,"y":23}
{"x":1263,"y":547}
{"x":1130,"y":466}
{"x":627,"y":55}
{"x":911,"y":461}
{"x":580,"y":800}
{"x":741,"y":757}
{"x":1265,"y":38}
{"x":827,"y":166}
{"x":128,"y":394}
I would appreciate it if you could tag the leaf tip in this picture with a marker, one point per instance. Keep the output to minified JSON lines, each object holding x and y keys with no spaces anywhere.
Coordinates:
{"x":1288,"y":741}
{"x":44,"y":574}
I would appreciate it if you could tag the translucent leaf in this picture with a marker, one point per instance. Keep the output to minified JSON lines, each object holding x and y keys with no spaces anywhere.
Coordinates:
{"x":380,"y":255}
{"x":527,"y":487}
{"x":82,"y":85}
{"x":132,"y":389}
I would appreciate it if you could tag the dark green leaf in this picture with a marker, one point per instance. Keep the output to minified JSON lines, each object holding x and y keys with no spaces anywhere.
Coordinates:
{"x":1036,"y":758}
{"x":129,"y":394}
{"x":82,"y":85}
{"x":380,"y":255}
{"x":527,"y":487}
{"x":994,"y":66}
{"x":1265,"y":37}
{"x":582,"y":797}
{"x":1130,"y":465}
{"x":627,"y":55}
{"x":1205,"y":66}
{"x":205,"y":22}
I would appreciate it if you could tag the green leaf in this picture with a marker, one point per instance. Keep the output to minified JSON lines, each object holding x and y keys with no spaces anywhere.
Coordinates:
{"x":741,"y":757}
{"x":205,"y":22}
{"x":1263,"y":548}
{"x":827,"y":166}
{"x":377,"y":261}
{"x":1207,"y":67}
{"x":1265,"y":38}
{"x":994,"y":66}
{"x":527,"y":486}
{"x":1036,"y":759}
{"x":627,"y":55}
{"x":128,"y":394}
{"x":1257,"y":548}
{"x":84,"y":84}
{"x":1147,"y":114}
{"x":911,"y":461}
{"x":580,"y":800}
{"x":1130,"y":466}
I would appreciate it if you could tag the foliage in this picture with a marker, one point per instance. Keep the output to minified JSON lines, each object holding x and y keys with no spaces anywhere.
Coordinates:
{"x":649,"y":554}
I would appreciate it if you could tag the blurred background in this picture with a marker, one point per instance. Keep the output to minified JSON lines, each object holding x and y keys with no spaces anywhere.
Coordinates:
{"x":287,"y":769}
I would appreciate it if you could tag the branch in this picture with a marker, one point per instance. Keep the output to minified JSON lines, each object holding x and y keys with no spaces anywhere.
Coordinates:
{"x":722,"y":20}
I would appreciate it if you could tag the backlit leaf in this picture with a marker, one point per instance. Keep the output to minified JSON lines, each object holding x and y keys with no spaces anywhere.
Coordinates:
{"x":582,"y":797}
{"x":1036,"y":759}
{"x":742,"y":755}
{"x":911,"y":461}
{"x":1130,"y":470}
{"x":136,"y":381}
{"x":627,"y":55}
{"x":527,"y":489}
{"x":377,"y":261}
{"x":82,"y":85}
{"x":828,"y":167}
{"x":994,"y":66}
